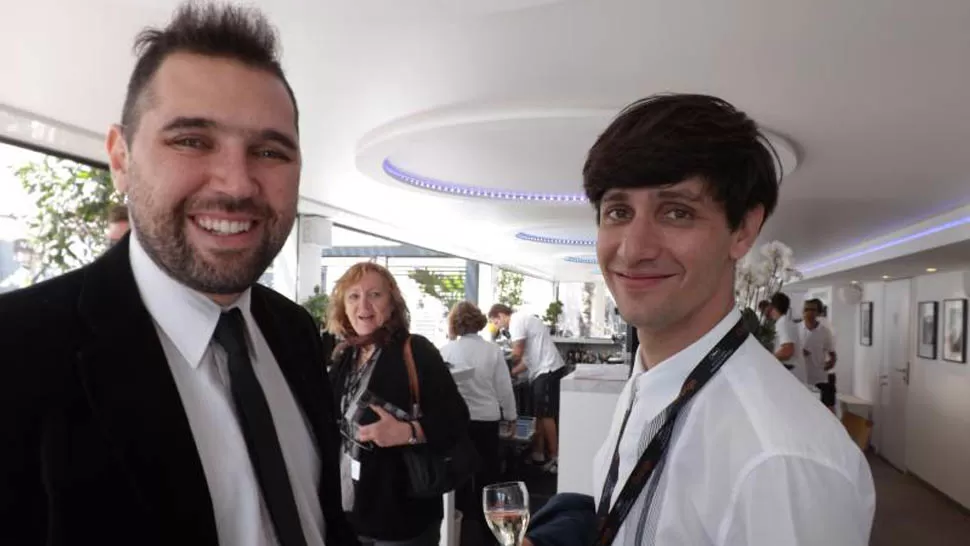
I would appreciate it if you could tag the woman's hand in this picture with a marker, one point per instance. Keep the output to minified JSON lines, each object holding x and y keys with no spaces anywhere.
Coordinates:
{"x":387,"y":431}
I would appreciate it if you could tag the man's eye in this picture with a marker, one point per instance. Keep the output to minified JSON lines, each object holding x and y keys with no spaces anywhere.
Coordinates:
{"x":679,"y":214}
{"x":616,"y":214}
{"x":270,"y":153}
{"x":190,"y":142}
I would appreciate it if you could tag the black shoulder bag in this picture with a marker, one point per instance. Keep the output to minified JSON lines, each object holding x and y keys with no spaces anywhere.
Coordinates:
{"x":610,"y":520}
{"x":433,"y":474}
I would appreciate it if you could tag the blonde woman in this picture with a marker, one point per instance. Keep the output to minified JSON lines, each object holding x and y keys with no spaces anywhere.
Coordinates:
{"x":368,"y":312}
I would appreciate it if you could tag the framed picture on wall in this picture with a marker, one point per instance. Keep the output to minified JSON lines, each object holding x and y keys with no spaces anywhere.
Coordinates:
{"x":955,"y":330}
{"x":865,"y":323}
{"x":926,"y":335}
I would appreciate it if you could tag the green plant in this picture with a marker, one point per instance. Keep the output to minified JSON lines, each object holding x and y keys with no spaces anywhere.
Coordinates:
{"x":449,"y":288}
{"x":762,"y":329}
{"x":72,"y":202}
{"x":316,"y":305}
{"x":553,"y":312}
{"x":510,"y":288}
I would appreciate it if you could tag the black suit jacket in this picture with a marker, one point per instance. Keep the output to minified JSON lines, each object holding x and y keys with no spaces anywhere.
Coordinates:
{"x":95,"y":445}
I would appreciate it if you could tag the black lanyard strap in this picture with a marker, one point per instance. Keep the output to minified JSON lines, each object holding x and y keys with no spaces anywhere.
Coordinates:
{"x":610,"y":520}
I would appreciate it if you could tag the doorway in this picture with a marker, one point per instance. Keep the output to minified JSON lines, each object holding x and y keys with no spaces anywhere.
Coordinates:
{"x":894,"y":373}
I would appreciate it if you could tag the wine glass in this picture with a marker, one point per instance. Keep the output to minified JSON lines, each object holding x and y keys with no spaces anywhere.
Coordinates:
{"x":506,"y":507}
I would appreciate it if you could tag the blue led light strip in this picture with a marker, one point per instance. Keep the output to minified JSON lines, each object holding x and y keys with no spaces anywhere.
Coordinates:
{"x":888,"y":244}
{"x":591,"y":260}
{"x":553,"y":240}
{"x":451,"y":188}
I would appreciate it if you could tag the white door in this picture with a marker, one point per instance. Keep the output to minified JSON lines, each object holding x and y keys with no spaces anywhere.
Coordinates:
{"x":894,"y":376}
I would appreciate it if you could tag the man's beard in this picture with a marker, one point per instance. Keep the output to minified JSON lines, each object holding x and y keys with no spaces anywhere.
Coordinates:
{"x":163,"y":236}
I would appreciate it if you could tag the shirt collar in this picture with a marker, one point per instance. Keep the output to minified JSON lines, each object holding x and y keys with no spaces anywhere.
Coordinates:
{"x":667,"y":378}
{"x":187,"y":317}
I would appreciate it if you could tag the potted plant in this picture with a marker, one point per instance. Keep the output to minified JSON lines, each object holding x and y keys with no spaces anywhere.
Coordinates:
{"x":758,"y":278}
{"x":316,"y":305}
{"x":552,"y":315}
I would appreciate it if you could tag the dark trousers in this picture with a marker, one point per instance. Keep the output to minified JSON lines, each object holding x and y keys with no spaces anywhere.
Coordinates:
{"x":484,"y":436}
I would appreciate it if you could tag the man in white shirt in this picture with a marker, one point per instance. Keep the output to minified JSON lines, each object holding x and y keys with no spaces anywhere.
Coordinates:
{"x":819,"y":350}
{"x":788,"y":343}
{"x":534,"y":352}
{"x":180,"y":402}
{"x":682,"y":185}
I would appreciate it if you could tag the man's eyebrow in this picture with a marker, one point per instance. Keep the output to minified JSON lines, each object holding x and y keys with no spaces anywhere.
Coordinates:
{"x":183,"y":122}
{"x":615,"y":196}
{"x":686,"y":195}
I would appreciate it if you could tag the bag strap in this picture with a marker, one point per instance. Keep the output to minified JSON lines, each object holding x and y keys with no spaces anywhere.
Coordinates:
{"x":412,"y":374}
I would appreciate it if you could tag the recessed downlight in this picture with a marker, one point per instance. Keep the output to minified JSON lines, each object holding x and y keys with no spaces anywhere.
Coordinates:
{"x":885,"y":277}
{"x":931,"y":270}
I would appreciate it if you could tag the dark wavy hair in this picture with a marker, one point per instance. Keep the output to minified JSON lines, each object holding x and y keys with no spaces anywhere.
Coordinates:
{"x":665,"y":139}
{"x":465,"y":318}
{"x":226,"y":31}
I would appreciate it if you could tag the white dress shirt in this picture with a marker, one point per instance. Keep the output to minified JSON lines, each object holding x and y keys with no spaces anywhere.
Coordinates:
{"x":818,"y":342}
{"x":786,"y":331}
{"x":185,"y":321}
{"x":755,"y":460}
{"x":541,"y":355}
{"x":488,"y":393}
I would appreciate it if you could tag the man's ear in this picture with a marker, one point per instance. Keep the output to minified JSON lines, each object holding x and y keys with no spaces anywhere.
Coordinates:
{"x":118,"y":158}
{"x":747,"y":233}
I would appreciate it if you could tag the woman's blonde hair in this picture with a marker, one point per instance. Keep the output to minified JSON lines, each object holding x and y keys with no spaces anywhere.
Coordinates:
{"x":337,"y":321}
{"x":465,"y":318}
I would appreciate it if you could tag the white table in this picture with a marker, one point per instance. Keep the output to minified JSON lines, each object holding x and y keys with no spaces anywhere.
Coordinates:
{"x":449,"y":531}
{"x":587,"y":401}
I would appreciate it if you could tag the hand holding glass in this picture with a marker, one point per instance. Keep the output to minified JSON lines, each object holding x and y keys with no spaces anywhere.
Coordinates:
{"x":506,"y":508}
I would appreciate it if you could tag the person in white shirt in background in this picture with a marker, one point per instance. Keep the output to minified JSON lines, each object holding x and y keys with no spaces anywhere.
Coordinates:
{"x":534,"y":352}
{"x":488,"y":394}
{"x":818,"y":346}
{"x":681,"y":186}
{"x":788,"y":342}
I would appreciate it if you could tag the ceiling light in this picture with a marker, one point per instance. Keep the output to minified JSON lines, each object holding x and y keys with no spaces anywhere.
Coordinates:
{"x":532,"y":238}
{"x":931,"y":270}
{"x":855,"y":282}
{"x":885,"y":277}
{"x":440,"y":186}
{"x":581,"y":259}
{"x":943,"y":227}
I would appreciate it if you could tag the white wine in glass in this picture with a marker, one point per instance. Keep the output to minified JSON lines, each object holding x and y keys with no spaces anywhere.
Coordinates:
{"x":506,"y":508}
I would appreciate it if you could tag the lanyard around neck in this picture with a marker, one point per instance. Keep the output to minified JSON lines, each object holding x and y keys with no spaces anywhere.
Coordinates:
{"x":610,"y":520}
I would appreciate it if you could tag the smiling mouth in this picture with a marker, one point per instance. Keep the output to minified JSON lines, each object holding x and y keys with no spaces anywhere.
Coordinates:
{"x":222,"y":226}
{"x":642,"y":277}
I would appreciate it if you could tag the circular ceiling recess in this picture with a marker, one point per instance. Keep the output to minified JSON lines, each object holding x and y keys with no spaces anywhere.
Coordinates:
{"x":553,"y":240}
{"x":589,"y":259}
{"x":501,"y":152}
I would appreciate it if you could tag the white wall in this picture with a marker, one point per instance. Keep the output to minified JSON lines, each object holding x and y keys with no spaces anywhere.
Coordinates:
{"x":938,"y":410}
{"x":868,"y":359}
{"x":938,"y":402}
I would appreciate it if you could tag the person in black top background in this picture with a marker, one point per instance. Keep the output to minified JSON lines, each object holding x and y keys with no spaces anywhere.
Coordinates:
{"x":368,"y":312}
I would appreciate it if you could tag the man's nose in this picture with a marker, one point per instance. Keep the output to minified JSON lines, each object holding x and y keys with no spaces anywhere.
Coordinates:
{"x":642,"y":241}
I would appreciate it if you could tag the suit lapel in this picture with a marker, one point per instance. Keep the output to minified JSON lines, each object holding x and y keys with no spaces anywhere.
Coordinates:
{"x":132,"y":394}
{"x":293,"y":350}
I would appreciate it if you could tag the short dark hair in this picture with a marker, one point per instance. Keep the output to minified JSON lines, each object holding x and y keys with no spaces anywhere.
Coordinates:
{"x":665,"y":139}
{"x":118,"y":213}
{"x":499,"y":309}
{"x":763,"y":304}
{"x":230,"y":32}
{"x":819,"y":306}
{"x":781,"y":302}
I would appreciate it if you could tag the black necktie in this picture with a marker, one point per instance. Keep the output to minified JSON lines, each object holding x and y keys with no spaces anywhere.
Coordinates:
{"x":257,"y":427}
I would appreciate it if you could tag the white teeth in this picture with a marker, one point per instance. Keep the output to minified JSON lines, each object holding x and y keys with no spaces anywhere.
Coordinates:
{"x":223,"y":227}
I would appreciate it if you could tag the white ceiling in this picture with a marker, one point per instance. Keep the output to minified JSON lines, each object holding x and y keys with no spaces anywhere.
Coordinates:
{"x":511,"y":93}
{"x":943,"y":259}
